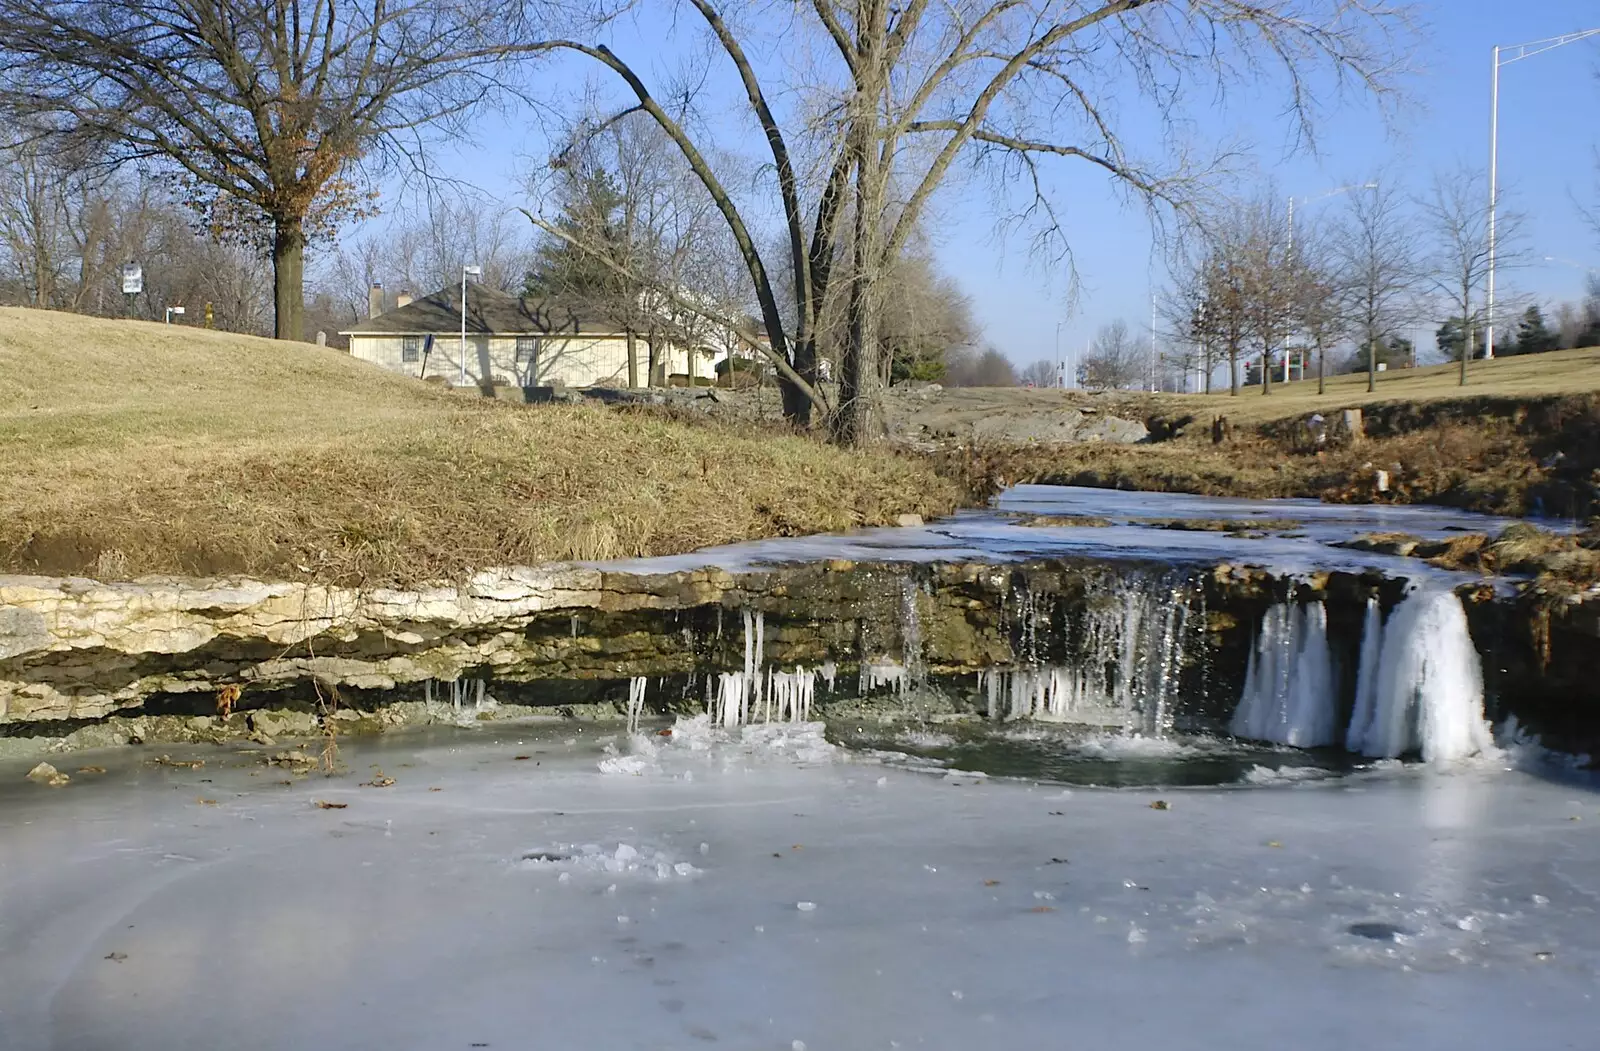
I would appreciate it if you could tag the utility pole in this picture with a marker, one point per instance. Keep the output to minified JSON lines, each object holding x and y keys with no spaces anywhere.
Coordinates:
{"x":1517,"y":53}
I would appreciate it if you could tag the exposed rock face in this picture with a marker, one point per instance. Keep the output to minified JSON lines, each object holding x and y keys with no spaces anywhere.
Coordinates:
{"x":75,"y":651}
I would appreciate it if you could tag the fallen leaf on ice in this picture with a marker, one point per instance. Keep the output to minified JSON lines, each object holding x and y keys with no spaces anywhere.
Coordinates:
{"x":323,"y":804}
{"x":91,"y":769}
{"x":1161,"y":804}
{"x":116,"y":957}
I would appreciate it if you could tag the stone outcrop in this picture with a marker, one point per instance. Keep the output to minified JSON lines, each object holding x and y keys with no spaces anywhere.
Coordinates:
{"x":74,"y":652}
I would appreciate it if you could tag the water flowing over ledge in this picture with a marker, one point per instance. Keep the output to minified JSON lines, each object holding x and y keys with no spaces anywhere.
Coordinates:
{"x":1268,"y":633}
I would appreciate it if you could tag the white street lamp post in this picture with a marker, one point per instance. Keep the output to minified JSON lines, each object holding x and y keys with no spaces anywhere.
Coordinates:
{"x":475,"y":271}
{"x":171,"y":311}
{"x":1518,"y":52}
{"x":1308,"y":200}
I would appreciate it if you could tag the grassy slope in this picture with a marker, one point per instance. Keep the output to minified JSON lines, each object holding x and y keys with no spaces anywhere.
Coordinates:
{"x":130,"y":448}
{"x":1522,"y":436}
{"x":1559,"y":372}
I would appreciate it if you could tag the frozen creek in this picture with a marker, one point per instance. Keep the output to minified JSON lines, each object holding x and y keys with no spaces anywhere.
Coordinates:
{"x":484,"y":900}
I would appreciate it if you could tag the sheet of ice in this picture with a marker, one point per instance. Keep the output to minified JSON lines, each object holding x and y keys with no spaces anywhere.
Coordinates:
{"x":995,"y":535}
{"x":1401,"y":910}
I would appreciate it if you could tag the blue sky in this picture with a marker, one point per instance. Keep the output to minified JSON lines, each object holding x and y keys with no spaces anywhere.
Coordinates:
{"x":1547,"y":165}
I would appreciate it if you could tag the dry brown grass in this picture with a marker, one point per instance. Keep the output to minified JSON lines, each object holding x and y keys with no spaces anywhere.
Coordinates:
{"x":129,"y":448}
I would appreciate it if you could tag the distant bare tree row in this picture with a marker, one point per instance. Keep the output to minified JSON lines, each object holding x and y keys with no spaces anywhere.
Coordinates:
{"x":66,"y":231}
{"x":1277,"y":291}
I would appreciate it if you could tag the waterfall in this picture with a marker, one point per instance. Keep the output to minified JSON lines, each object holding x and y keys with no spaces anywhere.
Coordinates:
{"x":1366,"y":677}
{"x":1420,"y":685}
{"x":1117,"y":665}
{"x":1289,"y":693}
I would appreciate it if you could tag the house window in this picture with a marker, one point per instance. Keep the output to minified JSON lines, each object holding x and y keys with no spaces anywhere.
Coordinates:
{"x":410,"y":348}
{"x":527,"y":349}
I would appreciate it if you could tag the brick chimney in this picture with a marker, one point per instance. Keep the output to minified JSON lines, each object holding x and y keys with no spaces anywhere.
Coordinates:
{"x":375,"y":299}
{"x":403,"y":299}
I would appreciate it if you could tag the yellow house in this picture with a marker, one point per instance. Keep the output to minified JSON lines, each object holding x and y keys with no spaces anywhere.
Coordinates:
{"x":523,"y":342}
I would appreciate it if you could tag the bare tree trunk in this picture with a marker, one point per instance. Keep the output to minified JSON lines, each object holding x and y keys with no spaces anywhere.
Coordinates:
{"x":288,"y":279}
{"x":1322,"y":370}
{"x":633,"y":359}
{"x":1466,"y":346}
{"x":860,"y":418}
{"x":1233,"y":370}
{"x":1266,"y":370}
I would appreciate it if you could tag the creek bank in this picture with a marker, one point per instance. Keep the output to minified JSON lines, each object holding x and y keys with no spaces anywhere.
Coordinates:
{"x":1162,"y":639}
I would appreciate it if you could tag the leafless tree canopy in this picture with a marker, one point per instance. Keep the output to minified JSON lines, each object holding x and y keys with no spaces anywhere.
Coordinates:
{"x":900,"y":94}
{"x":65,"y":234}
{"x":1116,"y":360}
{"x":264,"y":110}
{"x":1457,"y":227}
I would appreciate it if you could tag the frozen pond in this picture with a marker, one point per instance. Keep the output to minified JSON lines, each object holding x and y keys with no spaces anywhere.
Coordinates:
{"x":484,"y":900}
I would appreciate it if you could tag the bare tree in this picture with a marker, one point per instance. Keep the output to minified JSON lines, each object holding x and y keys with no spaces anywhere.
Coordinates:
{"x":265,"y":110}
{"x":1458,"y":224}
{"x":1373,"y":249}
{"x":1116,"y":359}
{"x":65,"y":233}
{"x":1040,"y":374}
{"x":909,"y":90}
{"x":969,"y":367}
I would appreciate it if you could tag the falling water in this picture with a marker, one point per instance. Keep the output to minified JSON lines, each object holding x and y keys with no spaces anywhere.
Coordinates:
{"x":1123,"y":653}
{"x":1289,"y":693}
{"x":1421,"y":685}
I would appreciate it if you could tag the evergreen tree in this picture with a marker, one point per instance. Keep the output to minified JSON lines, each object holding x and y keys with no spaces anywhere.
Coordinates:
{"x":1450,"y":339}
{"x":1393,"y":352}
{"x":584,"y":270}
{"x":1533,"y":337}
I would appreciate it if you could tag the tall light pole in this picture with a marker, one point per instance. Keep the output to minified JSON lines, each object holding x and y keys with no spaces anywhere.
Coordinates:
{"x":1061,"y":366}
{"x":1517,"y":53}
{"x":1309,"y":199}
{"x":475,"y":271}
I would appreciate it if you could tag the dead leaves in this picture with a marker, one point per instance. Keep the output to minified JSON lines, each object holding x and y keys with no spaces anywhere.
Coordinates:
{"x":323,"y":804}
{"x":227,"y":697}
{"x":91,"y":769}
{"x":1160,"y":804}
{"x":379,"y":779}
{"x":167,"y":760}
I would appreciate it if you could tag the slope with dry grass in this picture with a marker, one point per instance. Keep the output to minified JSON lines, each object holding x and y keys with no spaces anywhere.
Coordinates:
{"x":129,"y":448}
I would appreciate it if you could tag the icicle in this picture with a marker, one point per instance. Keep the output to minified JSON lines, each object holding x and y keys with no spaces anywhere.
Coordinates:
{"x":636,"y":692}
{"x":1289,"y":684}
{"x":1366,"y":679}
{"x":1427,"y":692}
{"x":829,"y":672}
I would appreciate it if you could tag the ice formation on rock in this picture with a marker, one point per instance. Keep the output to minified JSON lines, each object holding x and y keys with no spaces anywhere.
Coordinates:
{"x":1420,"y":685}
{"x":1123,"y":651}
{"x":1289,"y":692}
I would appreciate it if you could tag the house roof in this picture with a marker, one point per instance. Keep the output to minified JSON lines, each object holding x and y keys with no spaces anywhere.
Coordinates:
{"x":488,"y":311}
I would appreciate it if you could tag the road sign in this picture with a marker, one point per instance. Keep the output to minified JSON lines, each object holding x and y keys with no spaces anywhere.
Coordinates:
{"x":132,"y":279}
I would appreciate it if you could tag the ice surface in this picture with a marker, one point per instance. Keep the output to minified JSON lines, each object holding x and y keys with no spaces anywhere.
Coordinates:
{"x":135,"y":918}
{"x":994,"y":534}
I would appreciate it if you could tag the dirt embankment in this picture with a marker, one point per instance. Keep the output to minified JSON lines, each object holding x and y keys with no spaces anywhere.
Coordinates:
{"x":1505,"y":455}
